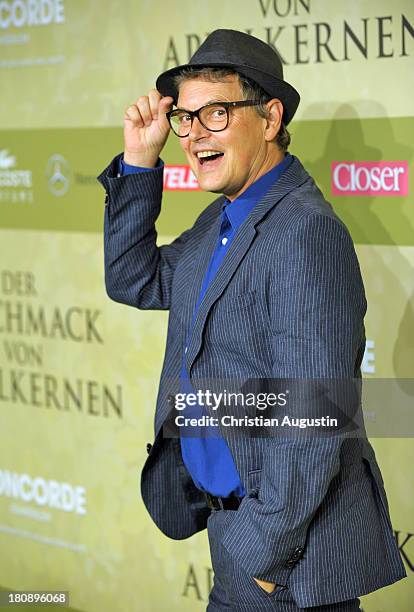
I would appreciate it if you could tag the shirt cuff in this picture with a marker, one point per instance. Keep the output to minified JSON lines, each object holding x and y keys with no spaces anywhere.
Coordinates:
{"x":127,"y":169}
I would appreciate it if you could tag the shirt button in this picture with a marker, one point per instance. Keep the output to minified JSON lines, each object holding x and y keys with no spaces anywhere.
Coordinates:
{"x":224,"y":241}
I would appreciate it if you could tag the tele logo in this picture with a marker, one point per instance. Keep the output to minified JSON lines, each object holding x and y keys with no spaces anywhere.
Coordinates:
{"x":60,"y":495}
{"x":385,"y":178}
{"x":179,"y":178}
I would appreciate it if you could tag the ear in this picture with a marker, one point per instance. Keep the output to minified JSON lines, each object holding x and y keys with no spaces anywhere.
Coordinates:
{"x":274,"y":120}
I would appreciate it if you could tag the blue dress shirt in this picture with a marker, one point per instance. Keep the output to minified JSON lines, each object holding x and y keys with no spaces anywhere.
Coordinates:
{"x":207,"y":457}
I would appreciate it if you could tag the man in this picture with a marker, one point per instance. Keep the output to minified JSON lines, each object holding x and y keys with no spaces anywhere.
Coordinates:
{"x":265,"y":285}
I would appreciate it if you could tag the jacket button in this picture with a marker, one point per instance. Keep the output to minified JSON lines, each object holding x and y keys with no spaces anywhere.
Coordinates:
{"x":149,"y":447}
{"x":106,"y":199}
{"x":171,"y":400}
{"x":290,"y":563}
{"x":298,"y":553}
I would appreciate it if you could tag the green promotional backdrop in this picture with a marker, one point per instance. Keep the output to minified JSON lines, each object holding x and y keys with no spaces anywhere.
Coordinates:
{"x":79,"y":373}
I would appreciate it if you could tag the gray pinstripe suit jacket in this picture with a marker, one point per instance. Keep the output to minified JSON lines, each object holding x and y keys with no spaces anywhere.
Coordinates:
{"x":287,"y":302}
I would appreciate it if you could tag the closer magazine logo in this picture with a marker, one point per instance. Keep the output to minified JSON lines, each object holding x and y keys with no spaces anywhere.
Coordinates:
{"x":382,"y":178}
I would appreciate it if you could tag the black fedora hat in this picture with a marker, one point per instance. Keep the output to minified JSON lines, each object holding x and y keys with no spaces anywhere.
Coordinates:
{"x":245,"y":54}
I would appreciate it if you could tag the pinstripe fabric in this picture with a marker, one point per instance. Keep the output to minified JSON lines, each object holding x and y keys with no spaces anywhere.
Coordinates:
{"x":287,"y":302}
{"x":235,"y":590}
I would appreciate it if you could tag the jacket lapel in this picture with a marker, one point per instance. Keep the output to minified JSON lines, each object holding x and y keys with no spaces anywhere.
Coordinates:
{"x":201,"y":260}
{"x":238,"y":249}
{"x":294,"y":176}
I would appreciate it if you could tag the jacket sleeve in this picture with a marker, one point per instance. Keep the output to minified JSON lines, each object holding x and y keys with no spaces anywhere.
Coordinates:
{"x":316,"y":313}
{"x":137,"y":272}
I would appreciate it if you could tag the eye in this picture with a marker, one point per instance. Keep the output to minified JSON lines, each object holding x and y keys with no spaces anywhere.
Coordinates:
{"x":214,"y":113}
{"x":218,"y":113}
{"x":183,"y":118}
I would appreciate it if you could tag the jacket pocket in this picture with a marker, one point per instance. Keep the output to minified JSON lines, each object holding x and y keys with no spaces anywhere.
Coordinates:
{"x":237,"y":301}
{"x":254,"y":478}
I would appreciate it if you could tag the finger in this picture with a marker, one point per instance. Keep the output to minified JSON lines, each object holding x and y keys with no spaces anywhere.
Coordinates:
{"x":154,"y":98}
{"x":132,"y":114}
{"x":145,"y":110}
{"x":165,"y":105}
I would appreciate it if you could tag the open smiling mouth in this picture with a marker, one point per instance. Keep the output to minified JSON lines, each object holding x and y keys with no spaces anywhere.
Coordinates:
{"x":209,"y":159}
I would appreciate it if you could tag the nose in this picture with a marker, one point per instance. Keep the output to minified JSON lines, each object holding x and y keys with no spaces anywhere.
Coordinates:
{"x":197,"y":130}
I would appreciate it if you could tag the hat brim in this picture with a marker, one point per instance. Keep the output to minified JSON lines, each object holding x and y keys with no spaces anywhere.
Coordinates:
{"x":274,"y":87}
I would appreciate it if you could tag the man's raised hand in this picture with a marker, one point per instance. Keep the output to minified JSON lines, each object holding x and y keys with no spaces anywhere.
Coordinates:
{"x":146,"y":129}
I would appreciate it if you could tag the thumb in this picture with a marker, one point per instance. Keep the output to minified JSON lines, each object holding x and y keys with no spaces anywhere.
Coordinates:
{"x":165,"y":104}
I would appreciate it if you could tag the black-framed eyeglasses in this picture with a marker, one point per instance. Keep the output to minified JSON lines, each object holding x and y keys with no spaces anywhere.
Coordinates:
{"x":213,"y":116}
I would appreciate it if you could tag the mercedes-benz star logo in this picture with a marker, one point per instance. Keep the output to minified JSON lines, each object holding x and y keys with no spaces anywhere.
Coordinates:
{"x":57,"y":173}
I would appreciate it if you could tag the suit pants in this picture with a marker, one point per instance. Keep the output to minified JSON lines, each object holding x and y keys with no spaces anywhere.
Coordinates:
{"x":233,"y":590}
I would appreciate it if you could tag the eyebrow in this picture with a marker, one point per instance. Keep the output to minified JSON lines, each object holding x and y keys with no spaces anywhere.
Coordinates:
{"x":206,"y":104}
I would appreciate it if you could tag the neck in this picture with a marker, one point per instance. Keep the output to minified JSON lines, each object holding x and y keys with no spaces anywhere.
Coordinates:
{"x":269,"y":162}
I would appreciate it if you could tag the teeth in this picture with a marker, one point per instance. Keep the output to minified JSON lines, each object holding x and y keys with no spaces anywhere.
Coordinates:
{"x":207,"y":153}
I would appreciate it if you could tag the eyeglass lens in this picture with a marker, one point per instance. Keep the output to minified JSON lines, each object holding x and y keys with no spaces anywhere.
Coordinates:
{"x":213,"y":117}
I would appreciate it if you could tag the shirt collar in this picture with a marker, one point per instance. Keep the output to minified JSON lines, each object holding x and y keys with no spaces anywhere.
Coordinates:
{"x":238,"y":210}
